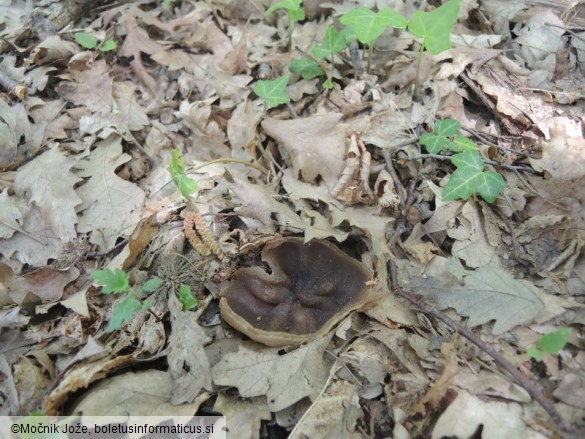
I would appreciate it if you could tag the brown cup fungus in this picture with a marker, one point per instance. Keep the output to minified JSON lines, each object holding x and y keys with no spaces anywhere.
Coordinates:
{"x":311,"y":288}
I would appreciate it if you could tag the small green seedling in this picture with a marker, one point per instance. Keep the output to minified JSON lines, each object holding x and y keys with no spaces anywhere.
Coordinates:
{"x":117,"y":282}
{"x":88,"y":41}
{"x":550,"y":343}
{"x":295,"y":13}
{"x":434,"y":28}
{"x":369,"y":25}
{"x":177,"y":169}
{"x":186,"y":297}
{"x":469,"y":178}
{"x":273,"y":91}
{"x":306,"y":67}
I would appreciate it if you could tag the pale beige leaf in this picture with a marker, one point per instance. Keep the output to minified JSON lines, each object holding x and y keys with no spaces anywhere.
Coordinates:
{"x":109,"y":203}
{"x":10,"y":216}
{"x":482,"y":295}
{"x":143,"y":393}
{"x":188,"y":363}
{"x":284,"y":379}
{"x":316,"y":145}
{"x":91,"y":88}
{"x":47,"y":182}
{"x":131,"y":114}
{"x":467,"y":412}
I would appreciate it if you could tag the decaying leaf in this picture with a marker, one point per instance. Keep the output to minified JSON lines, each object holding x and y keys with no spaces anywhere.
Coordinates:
{"x":284,"y":379}
{"x":49,"y":184}
{"x":109,"y":204}
{"x":188,"y":363}
{"x":316,"y":145}
{"x":482,"y":295}
{"x":353,"y":185}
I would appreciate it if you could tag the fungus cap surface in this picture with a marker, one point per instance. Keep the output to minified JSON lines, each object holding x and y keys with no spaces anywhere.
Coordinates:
{"x":311,"y":288}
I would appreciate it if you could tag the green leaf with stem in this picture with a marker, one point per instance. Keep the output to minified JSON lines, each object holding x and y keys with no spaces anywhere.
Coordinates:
{"x":147,"y":304}
{"x":176,"y":168}
{"x":86,"y":40}
{"x":289,"y":5}
{"x":108,"y":46}
{"x":466,"y":181}
{"x":333,"y":42}
{"x":151,"y":285}
{"x":433,"y":142}
{"x":295,"y":13}
{"x":550,"y":343}
{"x":369,"y":25}
{"x":123,"y":312}
{"x":273,"y":91}
{"x":435,"y":27}
{"x":306,"y":67}
{"x":111,"y":281}
{"x":186,"y":297}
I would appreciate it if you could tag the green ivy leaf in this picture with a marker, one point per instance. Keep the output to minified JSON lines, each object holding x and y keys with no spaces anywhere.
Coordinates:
{"x":468,"y":159}
{"x":328,"y":84}
{"x":435,"y":27}
{"x":289,"y":5}
{"x":186,"y":297}
{"x":447,"y":127}
{"x":152,"y":285}
{"x":108,"y":46}
{"x":111,"y":281}
{"x":176,"y":168}
{"x":273,"y":92}
{"x":333,"y":42}
{"x":462,"y":143}
{"x":306,"y":67}
{"x":123,"y":312}
{"x":369,"y":25}
{"x":433,"y":142}
{"x":554,"y":341}
{"x":86,"y":40}
{"x":466,"y":181}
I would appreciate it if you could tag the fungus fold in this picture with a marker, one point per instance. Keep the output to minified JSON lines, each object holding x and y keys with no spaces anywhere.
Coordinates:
{"x":311,"y":288}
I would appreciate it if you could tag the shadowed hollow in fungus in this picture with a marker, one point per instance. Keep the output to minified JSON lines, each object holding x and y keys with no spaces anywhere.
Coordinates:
{"x":311,"y":288}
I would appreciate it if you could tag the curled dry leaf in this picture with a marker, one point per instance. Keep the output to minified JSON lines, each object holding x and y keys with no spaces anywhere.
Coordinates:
{"x":353,"y":186}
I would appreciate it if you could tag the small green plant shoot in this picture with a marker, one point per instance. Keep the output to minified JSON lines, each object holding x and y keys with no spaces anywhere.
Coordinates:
{"x":550,"y":343}
{"x":469,"y":178}
{"x":177,"y":170}
{"x":295,"y":13}
{"x":435,"y":27}
{"x":273,"y":91}
{"x":88,"y":41}
{"x":117,"y":282}
{"x":306,"y":67}
{"x":186,"y":297}
{"x":369,"y":25}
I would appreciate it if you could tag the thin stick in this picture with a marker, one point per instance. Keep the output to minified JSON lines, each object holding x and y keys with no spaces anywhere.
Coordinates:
{"x":532,"y":390}
{"x":229,"y":160}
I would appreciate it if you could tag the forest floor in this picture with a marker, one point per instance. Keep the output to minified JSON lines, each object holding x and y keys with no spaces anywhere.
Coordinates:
{"x":151,"y":149}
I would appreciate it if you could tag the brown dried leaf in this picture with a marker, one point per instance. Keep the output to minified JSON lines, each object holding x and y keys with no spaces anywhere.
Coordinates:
{"x":47,"y":183}
{"x":316,"y":145}
{"x":284,"y":379}
{"x":109,"y":204}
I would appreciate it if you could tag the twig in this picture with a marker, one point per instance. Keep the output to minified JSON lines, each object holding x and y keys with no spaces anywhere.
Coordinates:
{"x":481,"y":137}
{"x":532,"y":390}
{"x":512,"y":168}
{"x":397,"y":183}
{"x":228,"y":160}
